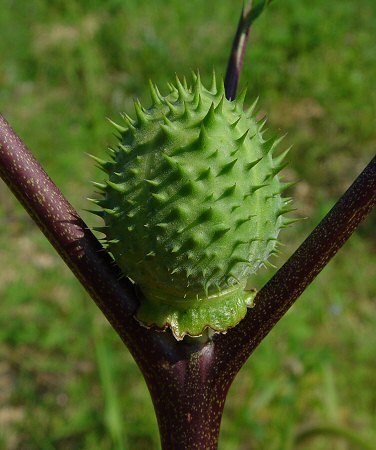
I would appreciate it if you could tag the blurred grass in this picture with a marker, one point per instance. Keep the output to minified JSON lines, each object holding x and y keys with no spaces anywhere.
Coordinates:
{"x":66,"y":381}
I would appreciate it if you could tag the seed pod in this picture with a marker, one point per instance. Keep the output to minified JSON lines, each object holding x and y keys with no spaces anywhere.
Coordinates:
{"x":192,"y":207}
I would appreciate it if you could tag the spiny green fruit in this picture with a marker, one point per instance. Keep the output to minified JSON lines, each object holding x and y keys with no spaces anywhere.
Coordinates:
{"x":192,"y":206}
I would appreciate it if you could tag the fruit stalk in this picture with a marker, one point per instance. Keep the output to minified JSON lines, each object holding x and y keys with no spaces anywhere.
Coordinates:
{"x":235,"y":63}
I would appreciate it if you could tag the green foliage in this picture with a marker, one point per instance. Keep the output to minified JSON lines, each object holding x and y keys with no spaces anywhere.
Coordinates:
{"x":64,"y":66}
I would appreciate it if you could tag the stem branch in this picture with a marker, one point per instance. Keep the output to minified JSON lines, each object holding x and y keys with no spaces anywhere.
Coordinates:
{"x":236,"y":59}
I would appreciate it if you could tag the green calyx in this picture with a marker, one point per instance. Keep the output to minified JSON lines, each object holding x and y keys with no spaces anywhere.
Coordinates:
{"x":191,"y":315}
{"x":192,"y":206}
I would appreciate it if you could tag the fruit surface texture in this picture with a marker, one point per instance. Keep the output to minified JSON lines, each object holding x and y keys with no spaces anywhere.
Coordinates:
{"x":192,"y":206}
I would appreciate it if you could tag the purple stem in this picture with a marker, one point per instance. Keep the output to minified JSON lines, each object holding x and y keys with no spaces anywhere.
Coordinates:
{"x":236,"y":59}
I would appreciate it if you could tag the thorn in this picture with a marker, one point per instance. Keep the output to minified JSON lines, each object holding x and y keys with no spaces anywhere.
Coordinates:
{"x":239,"y":101}
{"x":251,"y":109}
{"x":113,"y":241}
{"x":197,"y":88}
{"x":254,"y":189}
{"x":189,"y":271}
{"x":284,"y":210}
{"x":227,"y":167}
{"x":219,"y":233}
{"x":190,"y":255}
{"x":94,"y":200}
{"x":238,"y":259}
{"x":175,"y":248}
{"x":116,"y":187}
{"x":118,"y":127}
{"x":287,"y":185}
{"x":289,"y":221}
{"x":199,"y":103}
{"x":205,"y":215}
{"x":130,"y":123}
{"x":103,"y":165}
{"x":154,"y":94}
{"x":221,"y":92}
{"x":167,"y":131}
{"x":275,"y":170}
{"x":111,"y":151}
{"x":204,"y":174}
{"x":252,"y":164}
{"x":271,"y":148}
{"x":101,"y":162}
{"x":187,"y":189}
{"x":172,"y":108}
{"x":112,"y":212}
{"x":262,"y":123}
{"x":152,"y":182}
{"x":219,"y":107}
{"x":287,"y":200}
{"x":141,"y":116}
{"x":227,"y":192}
{"x":183,"y":94}
{"x":209,"y":118}
{"x":166,"y":120}
{"x":270,"y":265}
{"x":125,"y":149}
{"x":233,"y":125}
{"x":242,"y":138}
{"x":202,"y":137}
{"x":135,"y":171}
{"x":280,"y":158}
{"x":159,"y":197}
{"x":170,"y":161}
{"x":101,"y":186}
{"x":214,"y":154}
{"x":237,"y":243}
{"x":240,"y":222}
{"x":187,"y":114}
{"x":172,"y":88}
{"x":127,"y":119}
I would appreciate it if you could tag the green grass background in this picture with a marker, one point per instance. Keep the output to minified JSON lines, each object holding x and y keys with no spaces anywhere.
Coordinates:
{"x":66,"y":381}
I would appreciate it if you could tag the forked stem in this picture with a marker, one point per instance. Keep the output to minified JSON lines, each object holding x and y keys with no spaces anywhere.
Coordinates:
{"x":188,"y":380}
{"x":188,"y":400}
